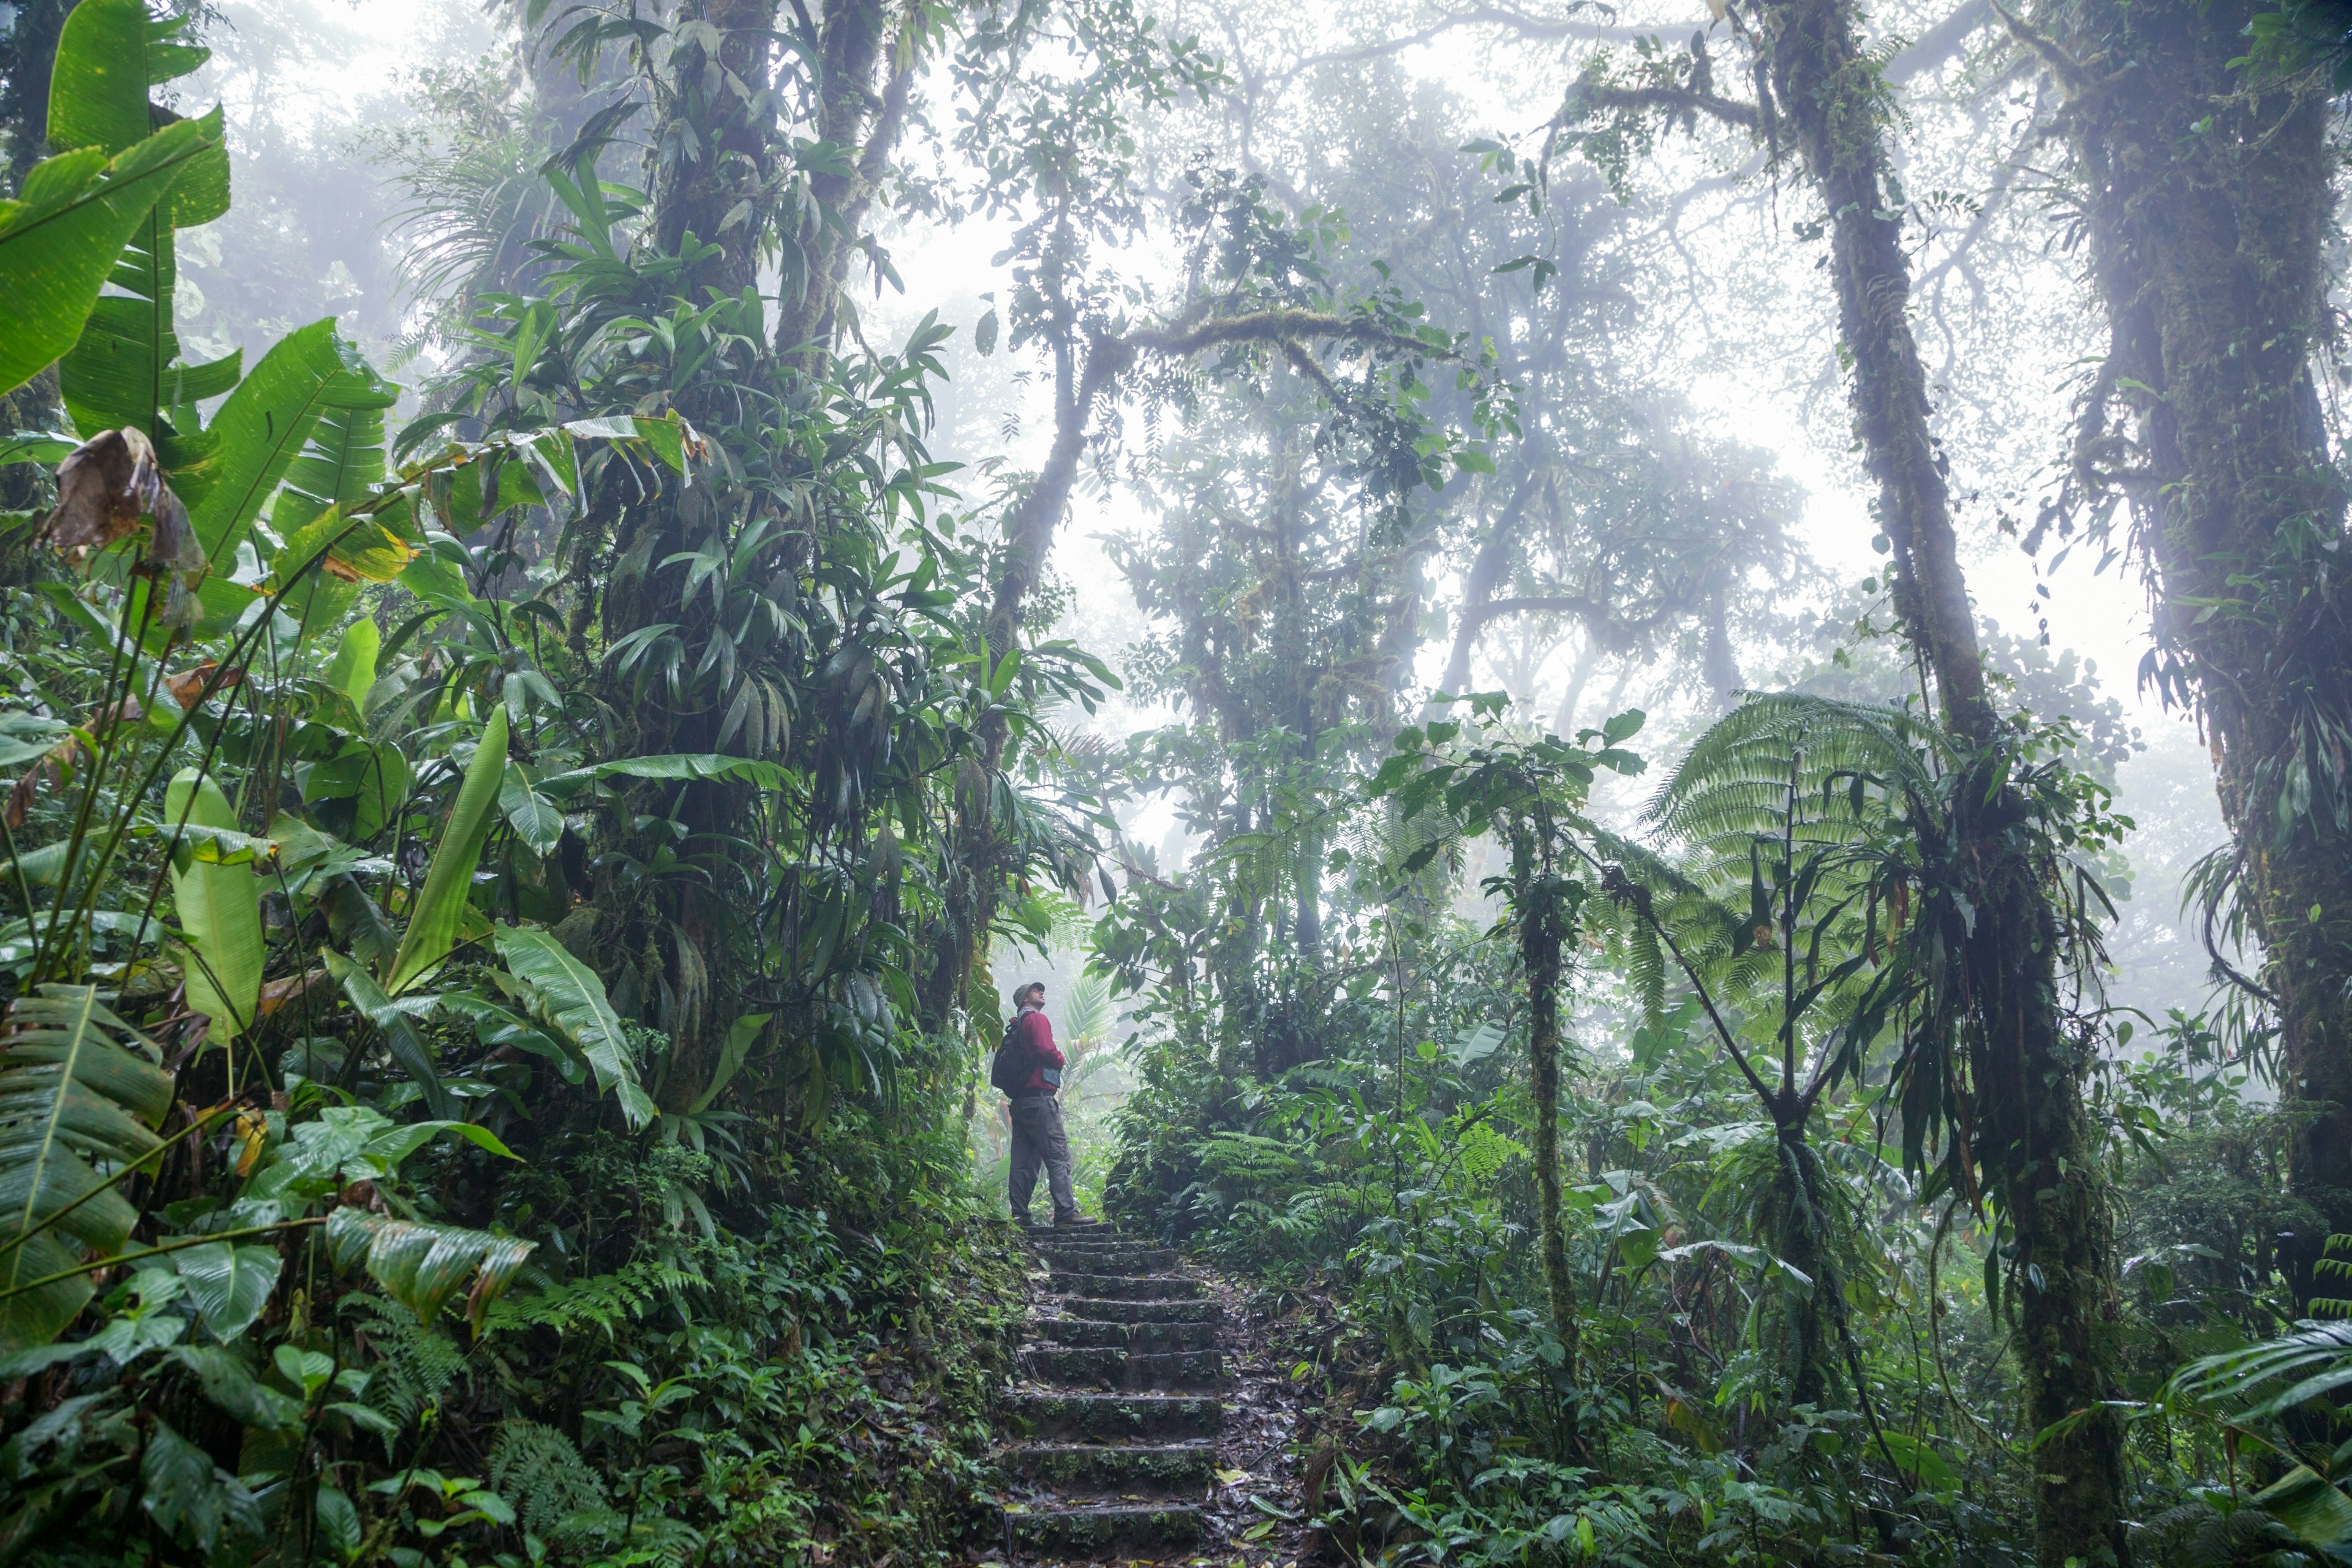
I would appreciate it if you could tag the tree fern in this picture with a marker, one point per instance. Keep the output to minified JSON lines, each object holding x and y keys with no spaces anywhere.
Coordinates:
{"x":1734,"y":783}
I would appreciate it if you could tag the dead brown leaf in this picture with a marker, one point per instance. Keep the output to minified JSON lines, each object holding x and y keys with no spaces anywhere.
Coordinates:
{"x":48,"y":770}
{"x":277,"y":994}
{"x":187,"y":688}
{"x":104,"y":487}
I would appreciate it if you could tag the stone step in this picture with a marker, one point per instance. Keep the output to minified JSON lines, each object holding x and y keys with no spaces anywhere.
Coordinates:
{"x":1127,"y":1287}
{"x":1153,"y":1469}
{"x":1148,"y":1337}
{"x":1111,"y":1417}
{"x":1095,"y":1367}
{"x":1106,"y":1531}
{"x":1091,"y":1248}
{"x":1094,"y":1308}
{"x":1077,"y":1234}
{"x":1110,"y":1259}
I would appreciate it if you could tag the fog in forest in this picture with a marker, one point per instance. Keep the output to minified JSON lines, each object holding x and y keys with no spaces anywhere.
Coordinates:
{"x":1664,"y":690}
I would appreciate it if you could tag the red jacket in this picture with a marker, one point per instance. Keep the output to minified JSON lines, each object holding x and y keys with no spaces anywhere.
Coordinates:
{"x":1043,"y":1052}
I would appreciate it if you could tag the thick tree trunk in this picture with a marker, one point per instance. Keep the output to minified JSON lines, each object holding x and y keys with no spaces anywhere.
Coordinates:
{"x":1488,"y":569}
{"x":2208,"y":249}
{"x":27,"y":55}
{"x":2032,"y":1135}
{"x":855,"y":41}
{"x":721,"y":106}
{"x":1542,"y":936}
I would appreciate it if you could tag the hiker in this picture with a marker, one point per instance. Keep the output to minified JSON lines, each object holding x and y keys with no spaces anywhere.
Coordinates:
{"x":1029,"y":1071}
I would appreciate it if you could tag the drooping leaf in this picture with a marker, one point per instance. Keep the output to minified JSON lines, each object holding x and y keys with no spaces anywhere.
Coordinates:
{"x":220,"y":909}
{"x":76,"y":1085}
{"x":189,"y":1498}
{"x":229,"y":1384}
{"x":530,"y":813}
{"x":566,"y":993}
{"x":423,"y":1266}
{"x":441,"y":906}
{"x":739,"y":1036}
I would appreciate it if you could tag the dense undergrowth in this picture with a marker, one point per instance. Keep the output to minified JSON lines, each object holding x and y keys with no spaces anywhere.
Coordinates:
{"x":500,"y":875}
{"x":1383,"y":1187}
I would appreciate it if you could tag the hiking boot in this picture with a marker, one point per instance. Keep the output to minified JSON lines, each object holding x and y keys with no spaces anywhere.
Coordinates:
{"x":1076,"y":1222}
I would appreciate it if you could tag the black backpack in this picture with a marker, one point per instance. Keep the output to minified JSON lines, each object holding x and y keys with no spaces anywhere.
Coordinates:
{"x":1008,"y":1073}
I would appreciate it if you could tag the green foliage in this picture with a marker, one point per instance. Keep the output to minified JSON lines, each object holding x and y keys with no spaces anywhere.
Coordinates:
{"x":80,"y":1090}
{"x":567,"y":992}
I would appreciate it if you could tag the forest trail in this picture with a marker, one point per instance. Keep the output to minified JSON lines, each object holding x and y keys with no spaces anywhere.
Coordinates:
{"x":1125,"y":1437}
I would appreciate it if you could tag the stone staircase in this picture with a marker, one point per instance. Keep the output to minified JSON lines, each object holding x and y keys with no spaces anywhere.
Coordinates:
{"x":1110,"y":1435}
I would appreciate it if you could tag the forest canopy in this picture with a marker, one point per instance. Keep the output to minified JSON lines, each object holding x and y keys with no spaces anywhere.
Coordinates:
{"x":1664,"y":689}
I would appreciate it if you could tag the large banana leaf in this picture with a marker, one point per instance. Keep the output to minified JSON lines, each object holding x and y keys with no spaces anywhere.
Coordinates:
{"x":59,"y":244}
{"x":123,"y":373}
{"x":422,"y":1266}
{"x":220,"y":913}
{"x":77,"y":1086}
{"x":260,"y":430}
{"x":449,"y":880}
{"x":353,"y":670}
{"x":342,"y":462}
{"x":566,"y":993}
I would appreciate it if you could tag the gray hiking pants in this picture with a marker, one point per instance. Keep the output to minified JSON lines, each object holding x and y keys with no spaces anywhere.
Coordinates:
{"x":1038,"y":1139}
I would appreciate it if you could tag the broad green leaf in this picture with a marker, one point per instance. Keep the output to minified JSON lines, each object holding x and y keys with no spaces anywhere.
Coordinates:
{"x":1921,"y":1459}
{"x":339,"y":1522}
{"x":353,"y":670}
{"x":229,"y":1384}
{"x":746,"y":1029}
{"x":229,"y":1284}
{"x":567,"y":994}
{"x":441,"y":906}
{"x":353,"y":919}
{"x":531,"y":814}
{"x":422,"y":1266}
{"x":189,"y":1498}
{"x":260,"y":431}
{"x":108,"y":54}
{"x":122,"y":372}
{"x":340,"y":466}
{"x":60,"y":242}
{"x":372,"y":776}
{"x":2313,"y":1507}
{"x":26,"y":736}
{"x":76,"y":1085}
{"x":220,"y":911}
{"x":673,"y":765}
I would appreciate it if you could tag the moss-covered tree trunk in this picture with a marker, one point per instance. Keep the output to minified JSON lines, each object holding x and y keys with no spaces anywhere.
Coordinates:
{"x":868,"y":51}
{"x":714,"y":140}
{"x":2208,"y":193}
{"x":2033,"y":1139}
{"x":1543,"y":934}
